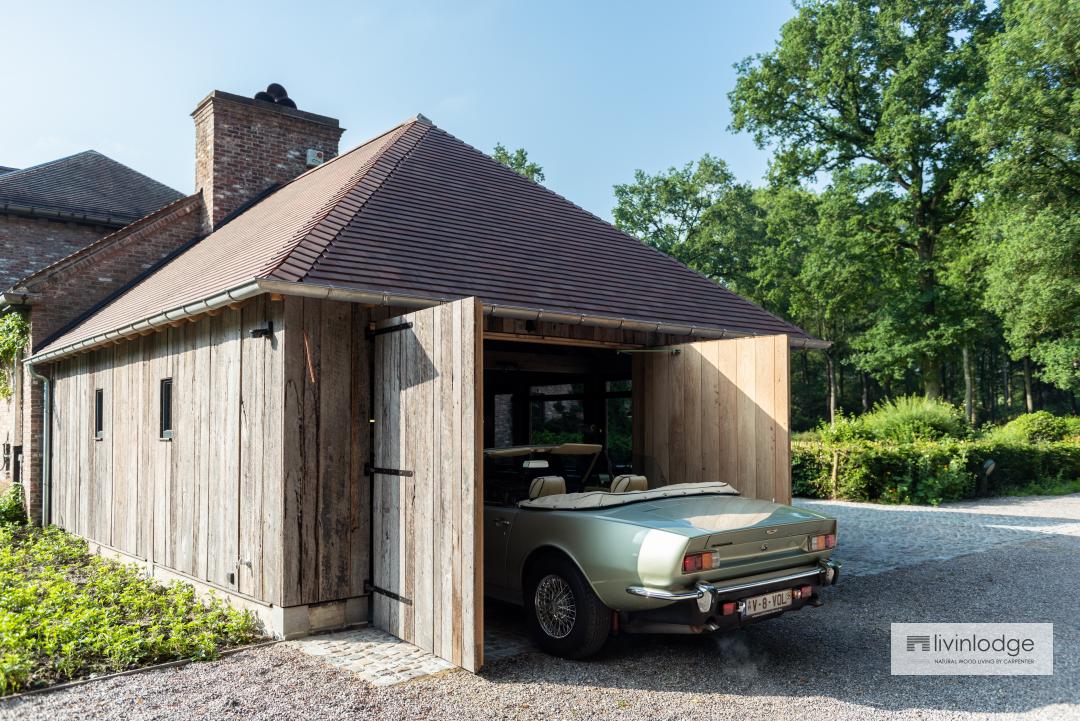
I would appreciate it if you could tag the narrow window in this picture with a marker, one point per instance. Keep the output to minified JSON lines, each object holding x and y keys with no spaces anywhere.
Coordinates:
{"x":166,"y":408}
{"x":99,"y":413}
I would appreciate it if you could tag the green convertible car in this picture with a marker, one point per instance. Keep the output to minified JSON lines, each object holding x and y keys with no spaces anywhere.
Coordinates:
{"x":589,"y":553}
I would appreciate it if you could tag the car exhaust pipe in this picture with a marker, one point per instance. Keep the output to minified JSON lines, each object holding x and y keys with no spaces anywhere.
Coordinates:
{"x":668,"y":628}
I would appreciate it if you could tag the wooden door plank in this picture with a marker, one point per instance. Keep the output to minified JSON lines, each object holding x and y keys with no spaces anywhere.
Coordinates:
{"x":711,"y":448}
{"x":334,"y":402}
{"x":421,"y":421}
{"x":782,"y":416}
{"x":764,"y":419}
{"x":272,"y":511}
{"x":459,"y":437}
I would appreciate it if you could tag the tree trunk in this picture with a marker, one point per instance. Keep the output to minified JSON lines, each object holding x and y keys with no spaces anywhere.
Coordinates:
{"x":969,"y":387}
{"x":1007,"y":382}
{"x":932,"y":383}
{"x":1029,"y":397}
{"x":830,"y":373}
{"x":865,"y":392}
{"x":839,"y":382}
{"x":991,"y":394}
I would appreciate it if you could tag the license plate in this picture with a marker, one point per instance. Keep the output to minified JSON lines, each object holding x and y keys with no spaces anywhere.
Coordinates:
{"x":766,"y":603}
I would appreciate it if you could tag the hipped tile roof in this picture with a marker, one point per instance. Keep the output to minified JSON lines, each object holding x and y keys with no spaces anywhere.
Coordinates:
{"x":88,"y":185}
{"x":416,"y":212}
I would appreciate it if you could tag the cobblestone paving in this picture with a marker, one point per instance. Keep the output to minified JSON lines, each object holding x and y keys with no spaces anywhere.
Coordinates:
{"x":875,"y":538}
{"x":373,"y":655}
{"x":384,"y":660}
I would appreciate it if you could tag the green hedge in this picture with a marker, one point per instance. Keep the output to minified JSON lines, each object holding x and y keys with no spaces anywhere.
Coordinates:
{"x":927,"y":471}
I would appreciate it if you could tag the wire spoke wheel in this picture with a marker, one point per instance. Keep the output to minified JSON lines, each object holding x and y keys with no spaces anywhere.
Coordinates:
{"x":555,"y":607}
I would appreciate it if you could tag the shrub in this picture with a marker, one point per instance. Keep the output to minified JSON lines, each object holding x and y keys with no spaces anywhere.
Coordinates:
{"x":1072,"y":427}
{"x":12,"y":510}
{"x":1019,"y":466}
{"x":1038,"y":427}
{"x":931,"y":471}
{"x":911,"y":418}
{"x":66,"y":614}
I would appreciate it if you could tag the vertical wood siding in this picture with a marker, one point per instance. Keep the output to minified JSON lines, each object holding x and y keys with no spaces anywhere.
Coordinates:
{"x":326,"y":440}
{"x":208,"y":502}
{"x":716,"y":411}
{"x":428,"y":530}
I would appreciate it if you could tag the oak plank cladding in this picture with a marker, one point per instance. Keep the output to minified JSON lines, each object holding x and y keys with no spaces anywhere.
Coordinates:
{"x":428,"y":524}
{"x":737,"y":415}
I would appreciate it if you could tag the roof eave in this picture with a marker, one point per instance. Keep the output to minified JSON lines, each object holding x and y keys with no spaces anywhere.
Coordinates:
{"x":259,"y":286}
{"x":31,"y":211}
{"x":328,"y":292}
{"x":155,"y":322}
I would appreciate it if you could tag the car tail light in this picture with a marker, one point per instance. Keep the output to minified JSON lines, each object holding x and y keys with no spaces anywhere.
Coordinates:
{"x":696,"y":562}
{"x":823,"y":542}
{"x":729,"y":607}
{"x":703,"y":561}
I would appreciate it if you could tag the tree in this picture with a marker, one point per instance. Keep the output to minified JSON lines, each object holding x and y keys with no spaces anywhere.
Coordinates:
{"x":697,"y":214}
{"x":518,"y":161}
{"x":1027,"y":124}
{"x":877,"y":91}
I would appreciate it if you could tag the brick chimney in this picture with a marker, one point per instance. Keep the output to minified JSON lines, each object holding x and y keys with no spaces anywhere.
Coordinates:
{"x":245,"y":145}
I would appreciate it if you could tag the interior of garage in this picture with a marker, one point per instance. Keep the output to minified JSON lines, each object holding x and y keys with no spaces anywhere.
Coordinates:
{"x":546,"y":394}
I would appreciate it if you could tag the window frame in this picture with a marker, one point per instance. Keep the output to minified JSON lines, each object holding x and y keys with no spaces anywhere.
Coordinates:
{"x":165,"y":410}
{"x":99,"y":413}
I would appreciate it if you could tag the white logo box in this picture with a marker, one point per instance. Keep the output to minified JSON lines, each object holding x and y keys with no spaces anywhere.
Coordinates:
{"x":972,"y":649}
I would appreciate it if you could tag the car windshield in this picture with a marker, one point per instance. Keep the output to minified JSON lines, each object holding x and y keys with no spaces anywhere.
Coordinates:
{"x":508,"y":472}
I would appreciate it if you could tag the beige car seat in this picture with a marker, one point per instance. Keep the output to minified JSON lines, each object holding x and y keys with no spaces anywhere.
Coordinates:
{"x":628,"y":482}
{"x":547,"y":486}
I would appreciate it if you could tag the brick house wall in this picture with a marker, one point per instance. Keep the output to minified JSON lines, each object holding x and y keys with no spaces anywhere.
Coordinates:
{"x":29,"y":244}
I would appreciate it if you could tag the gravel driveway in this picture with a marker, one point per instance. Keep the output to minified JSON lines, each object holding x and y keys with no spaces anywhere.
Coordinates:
{"x":1007,"y":560}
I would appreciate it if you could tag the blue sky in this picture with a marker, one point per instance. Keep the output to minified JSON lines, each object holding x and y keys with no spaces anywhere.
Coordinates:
{"x":592,"y":90}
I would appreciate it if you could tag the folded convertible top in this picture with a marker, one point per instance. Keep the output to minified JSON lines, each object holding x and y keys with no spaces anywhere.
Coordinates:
{"x":603,"y":499}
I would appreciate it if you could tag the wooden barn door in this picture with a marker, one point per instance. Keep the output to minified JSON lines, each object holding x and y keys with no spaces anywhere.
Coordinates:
{"x":716,"y":411}
{"x":428,"y":480}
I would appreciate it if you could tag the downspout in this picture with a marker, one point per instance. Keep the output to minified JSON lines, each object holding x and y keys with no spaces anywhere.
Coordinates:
{"x":46,"y":447}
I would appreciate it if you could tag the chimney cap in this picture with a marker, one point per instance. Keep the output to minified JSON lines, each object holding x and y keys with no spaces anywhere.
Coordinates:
{"x":274,"y":106}
{"x":276,"y":93}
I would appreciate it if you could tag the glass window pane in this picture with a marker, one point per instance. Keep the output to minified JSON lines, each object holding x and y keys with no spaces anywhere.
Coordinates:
{"x":556,"y":422}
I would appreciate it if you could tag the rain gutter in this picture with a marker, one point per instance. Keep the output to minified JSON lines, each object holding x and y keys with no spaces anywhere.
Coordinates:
{"x":326,"y":292}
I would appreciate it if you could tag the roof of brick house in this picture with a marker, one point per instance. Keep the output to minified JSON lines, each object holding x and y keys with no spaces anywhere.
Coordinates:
{"x":417,"y":214}
{"x":88,"y":187}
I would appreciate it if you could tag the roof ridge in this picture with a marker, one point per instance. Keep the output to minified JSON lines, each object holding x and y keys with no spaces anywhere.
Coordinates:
{"x":47,"y":163}
{"x":317,"y":234}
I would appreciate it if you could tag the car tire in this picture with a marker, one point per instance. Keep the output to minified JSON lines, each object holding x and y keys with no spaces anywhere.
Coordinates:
{"x":565,"y":617}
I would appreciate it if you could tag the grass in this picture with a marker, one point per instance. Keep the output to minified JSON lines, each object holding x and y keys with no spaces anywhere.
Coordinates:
{"x":66,"y":614}
{"x":1054,"y":487}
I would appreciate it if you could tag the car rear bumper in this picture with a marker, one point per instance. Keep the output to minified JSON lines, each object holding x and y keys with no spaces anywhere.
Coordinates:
{"x":699,"y":609}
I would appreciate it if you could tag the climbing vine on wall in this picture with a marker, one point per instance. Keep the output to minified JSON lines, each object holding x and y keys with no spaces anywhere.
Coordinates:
{"x":14,"y":337}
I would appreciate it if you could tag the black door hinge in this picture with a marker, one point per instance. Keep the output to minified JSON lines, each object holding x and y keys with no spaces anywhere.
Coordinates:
{"x":389,"y":329}
{"x":370,"y":470}
{"x":370,"y":587}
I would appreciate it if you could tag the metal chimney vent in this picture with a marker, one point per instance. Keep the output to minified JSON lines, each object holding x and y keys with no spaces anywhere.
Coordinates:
{"x":275,"y":93}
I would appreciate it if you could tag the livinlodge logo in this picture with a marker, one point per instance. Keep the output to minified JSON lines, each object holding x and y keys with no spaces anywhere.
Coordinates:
{"x":972,"y":649}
